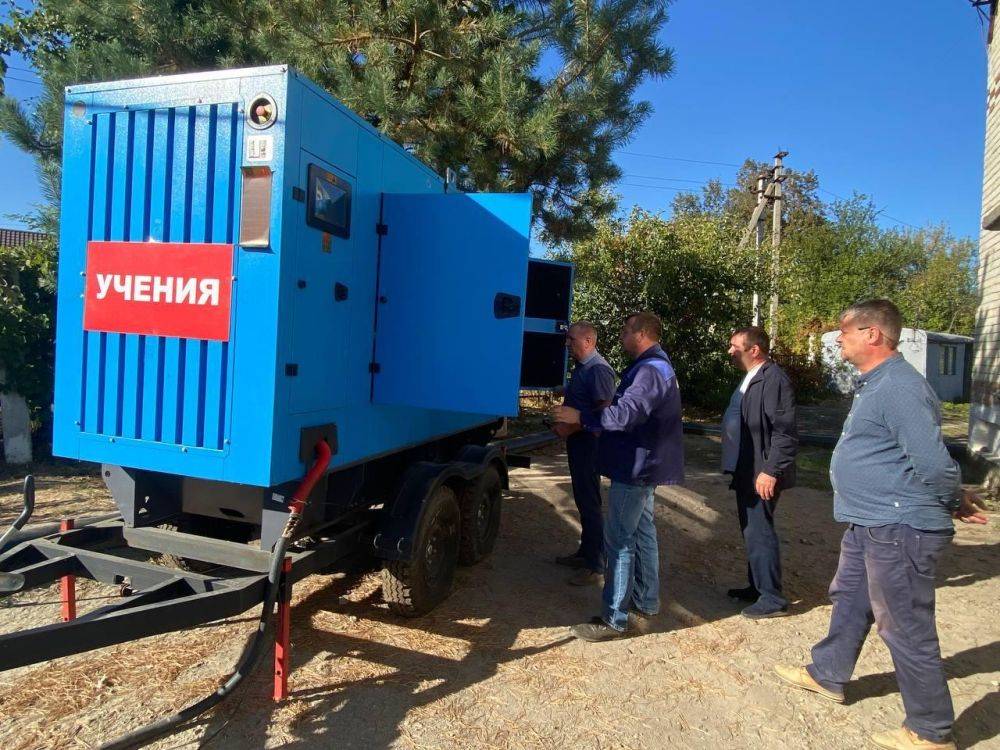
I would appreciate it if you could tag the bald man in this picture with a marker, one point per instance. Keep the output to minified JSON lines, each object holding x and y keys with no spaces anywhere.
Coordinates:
{"x":591,"y":388}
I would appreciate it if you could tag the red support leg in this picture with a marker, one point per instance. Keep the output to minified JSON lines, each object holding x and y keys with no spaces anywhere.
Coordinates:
{"x":282,"y":636}
{"x":67,"y":584}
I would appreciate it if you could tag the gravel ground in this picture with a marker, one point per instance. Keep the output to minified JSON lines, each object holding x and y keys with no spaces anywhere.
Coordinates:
{"x":494,"y":667}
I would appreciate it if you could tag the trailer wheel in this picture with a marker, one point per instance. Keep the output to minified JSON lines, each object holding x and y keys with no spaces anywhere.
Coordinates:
{"x":412,"y":588}
{"x":480,"y":504}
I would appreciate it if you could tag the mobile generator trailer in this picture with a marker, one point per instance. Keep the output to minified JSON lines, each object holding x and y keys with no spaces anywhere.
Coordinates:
{"x":255,"y":285}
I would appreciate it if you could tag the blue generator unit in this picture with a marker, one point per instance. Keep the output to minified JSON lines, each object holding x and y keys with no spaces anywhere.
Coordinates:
{"x":247,"y":268}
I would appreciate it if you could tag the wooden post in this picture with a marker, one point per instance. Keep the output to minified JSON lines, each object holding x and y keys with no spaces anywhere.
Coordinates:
{"x":758,"y":241}
{"x":67,"y":584}
{"x":282,"y":635}
{"x":772,"y":316}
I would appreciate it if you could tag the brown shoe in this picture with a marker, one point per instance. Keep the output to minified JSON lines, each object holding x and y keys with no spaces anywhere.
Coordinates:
{"x":640,"y":622}
{"x":904,"y":739}
{"x":800,"y":678}
{"x":586,"y":577}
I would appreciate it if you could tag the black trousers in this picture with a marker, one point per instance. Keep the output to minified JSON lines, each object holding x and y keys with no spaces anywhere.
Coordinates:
{"x":581,"y":450}
{"x":761,"y":540}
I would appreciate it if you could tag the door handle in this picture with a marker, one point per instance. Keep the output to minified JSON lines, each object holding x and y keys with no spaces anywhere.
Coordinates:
{"x":506,"y":305}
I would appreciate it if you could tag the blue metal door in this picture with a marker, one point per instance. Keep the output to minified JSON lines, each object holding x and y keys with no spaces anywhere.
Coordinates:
{"x":450,"y":314}
{"x":324,"y":258}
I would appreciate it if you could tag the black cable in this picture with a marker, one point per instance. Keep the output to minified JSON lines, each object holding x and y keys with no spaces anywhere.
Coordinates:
{"x":248,"y":660}
{"x":252,"y":651}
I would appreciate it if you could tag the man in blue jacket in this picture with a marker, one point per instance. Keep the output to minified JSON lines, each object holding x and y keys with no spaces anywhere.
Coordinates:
{"x":641,"y":446}
{"x":896,"y":488}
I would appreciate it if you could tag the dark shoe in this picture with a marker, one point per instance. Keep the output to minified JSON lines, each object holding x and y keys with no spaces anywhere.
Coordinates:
{"x":760,"y":611}
{"x":640,"y":622}
{"x":595,"y":631}
{"x":572,"y":561}
{"x":586,"y":577}
{"x":748,"y":594}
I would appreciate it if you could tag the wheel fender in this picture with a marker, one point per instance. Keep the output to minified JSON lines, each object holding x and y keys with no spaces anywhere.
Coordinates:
{"x":395,"y":536}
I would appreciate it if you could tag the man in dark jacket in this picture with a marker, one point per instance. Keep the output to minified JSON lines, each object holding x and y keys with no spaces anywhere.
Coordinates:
{"x":759,"y":443}
{"x":641,"y":446}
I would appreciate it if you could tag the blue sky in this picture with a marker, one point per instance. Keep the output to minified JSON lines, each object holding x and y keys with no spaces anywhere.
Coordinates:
{"x":887,"y":99}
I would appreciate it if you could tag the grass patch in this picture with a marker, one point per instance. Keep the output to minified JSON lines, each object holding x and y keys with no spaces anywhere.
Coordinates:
{"x":955,"y":410}
{"x":814,"y":467}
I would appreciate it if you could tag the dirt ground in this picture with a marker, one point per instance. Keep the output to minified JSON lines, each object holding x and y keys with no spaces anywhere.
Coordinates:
{"x":494,"y":667}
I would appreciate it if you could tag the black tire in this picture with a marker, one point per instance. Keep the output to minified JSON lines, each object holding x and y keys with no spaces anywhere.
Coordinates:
{"x":480,"y":503}
{"x":413,"y":588}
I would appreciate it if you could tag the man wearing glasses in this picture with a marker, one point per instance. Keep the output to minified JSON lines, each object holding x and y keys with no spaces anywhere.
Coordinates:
{"x":897,"y":489}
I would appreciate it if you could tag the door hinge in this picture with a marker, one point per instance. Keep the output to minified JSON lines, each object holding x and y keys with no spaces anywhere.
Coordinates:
{"x":374,"y":367}
{"x":298,"y":194}
{"x":291,"y":370}
{"x":381,"y":229}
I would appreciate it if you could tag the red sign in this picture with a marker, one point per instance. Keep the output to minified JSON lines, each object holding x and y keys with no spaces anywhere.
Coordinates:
{"x":181,"y":289}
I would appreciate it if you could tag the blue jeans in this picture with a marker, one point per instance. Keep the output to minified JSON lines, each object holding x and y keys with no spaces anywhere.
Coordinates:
{"x":632,"y":576}
{"x":886,"y":577}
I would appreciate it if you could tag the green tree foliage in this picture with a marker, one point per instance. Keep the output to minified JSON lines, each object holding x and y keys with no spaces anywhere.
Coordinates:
{"x":675,"y":269}
{"x":516,"y":96}
{"x":687,"y":269}
{"x":27,"y":318}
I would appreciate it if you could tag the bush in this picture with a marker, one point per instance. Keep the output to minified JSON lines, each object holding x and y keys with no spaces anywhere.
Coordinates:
{"x":809,"y":377}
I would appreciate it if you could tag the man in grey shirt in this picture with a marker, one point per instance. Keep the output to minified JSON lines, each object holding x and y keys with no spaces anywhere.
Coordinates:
{"x":897,"y":489}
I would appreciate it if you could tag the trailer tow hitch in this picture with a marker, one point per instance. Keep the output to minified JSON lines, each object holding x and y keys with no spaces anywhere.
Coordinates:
{"x":13,"y":582}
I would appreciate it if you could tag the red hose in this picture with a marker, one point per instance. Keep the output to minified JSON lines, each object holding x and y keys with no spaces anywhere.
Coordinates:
{"x":323,"y":455}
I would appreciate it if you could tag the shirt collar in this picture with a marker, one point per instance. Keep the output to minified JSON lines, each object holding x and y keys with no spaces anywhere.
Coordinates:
{"x":654,"y":351}
{"x":753,"y":371}
{"x":879,"y":369}
{"x":589,"y":358}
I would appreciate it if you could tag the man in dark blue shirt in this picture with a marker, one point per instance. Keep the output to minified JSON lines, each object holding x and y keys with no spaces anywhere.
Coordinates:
{"x":591,"y":388}
{"x":641,"y":446}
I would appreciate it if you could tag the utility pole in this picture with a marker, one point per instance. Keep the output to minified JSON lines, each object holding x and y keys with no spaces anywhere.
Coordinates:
{"x":777,"y":177}
{"x":759,"y":239}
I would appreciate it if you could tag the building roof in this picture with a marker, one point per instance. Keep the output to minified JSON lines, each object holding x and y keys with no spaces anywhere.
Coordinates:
{"x":948,"y":338}
{"x":18,"y":237}
{"x":937,"y":336}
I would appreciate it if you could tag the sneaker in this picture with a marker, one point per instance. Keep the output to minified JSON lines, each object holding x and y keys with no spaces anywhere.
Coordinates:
{"x":904,"y":739}
{"x":760,"y":611}
{"x":586,"y":577}
{"x":748,"y":594}
{"x":595,"y":630}
{"x":576,"y":560}
{"x":800,"y":678}
{"x":640,"y":622}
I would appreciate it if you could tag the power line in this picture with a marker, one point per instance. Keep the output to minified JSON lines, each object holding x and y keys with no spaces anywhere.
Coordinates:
{"x":877,"y":213}
{"x":657,"y":187}
{"x":676,"y":179}
{"x":23,"y":70}
{"x":23,"y":80}
{"x":678,"y":158}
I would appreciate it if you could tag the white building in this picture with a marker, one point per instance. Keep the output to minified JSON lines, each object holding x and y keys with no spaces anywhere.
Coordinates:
{"x":984,"y":411}
{"x":943,"y":358}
